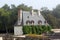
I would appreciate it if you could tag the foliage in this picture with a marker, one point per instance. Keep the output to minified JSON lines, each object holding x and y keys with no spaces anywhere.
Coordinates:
{"x":24,"y":7}
{"x":36,"y":29}
{"x":53,"y":16}
{"x":6,"y":7}
{"x":8,"y":17}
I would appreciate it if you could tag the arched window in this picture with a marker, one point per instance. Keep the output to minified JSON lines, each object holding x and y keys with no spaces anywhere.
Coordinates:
{"x":28,"y":22}
{"x":32,"y":22}
{"x":39,"y":22}
{"x":45,"y":22}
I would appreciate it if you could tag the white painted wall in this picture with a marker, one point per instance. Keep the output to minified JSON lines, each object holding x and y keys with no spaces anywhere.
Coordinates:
{"x":18,"y":30}
{"x":1,"y":38}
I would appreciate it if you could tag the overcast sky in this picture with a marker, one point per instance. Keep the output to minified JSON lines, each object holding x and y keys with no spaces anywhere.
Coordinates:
{"x":36,"y":4}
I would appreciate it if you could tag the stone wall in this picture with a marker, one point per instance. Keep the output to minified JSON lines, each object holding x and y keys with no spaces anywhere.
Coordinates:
{"x":18,"y":30}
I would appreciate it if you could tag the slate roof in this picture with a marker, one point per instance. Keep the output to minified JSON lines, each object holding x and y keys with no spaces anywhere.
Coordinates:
{"x":28,"y":13}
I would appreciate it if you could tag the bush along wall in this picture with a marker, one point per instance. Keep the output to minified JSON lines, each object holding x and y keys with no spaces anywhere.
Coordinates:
{"x":36,"y":29}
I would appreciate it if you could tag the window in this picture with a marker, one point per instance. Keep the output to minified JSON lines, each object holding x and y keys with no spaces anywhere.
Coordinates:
{"x":28,"y":22}
{"x":39,"y":22}
{"x":32,"y":22}
{"x":27,"y":16}
{"x":45,"y":21}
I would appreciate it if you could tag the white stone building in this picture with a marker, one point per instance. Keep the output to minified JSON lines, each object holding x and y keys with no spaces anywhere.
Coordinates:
{"x":28,"y":18}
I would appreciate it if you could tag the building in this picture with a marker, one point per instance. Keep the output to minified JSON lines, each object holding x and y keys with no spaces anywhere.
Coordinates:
{"x":28,"y":18}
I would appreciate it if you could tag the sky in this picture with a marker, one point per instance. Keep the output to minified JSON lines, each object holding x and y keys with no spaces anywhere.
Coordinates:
{"x":36,"y":4}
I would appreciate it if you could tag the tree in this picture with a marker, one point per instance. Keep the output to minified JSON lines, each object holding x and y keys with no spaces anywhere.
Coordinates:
{"x":6,"y":7}
{"x":9,"y":16}
{"x":49,"y":16}
{"x":4,"y":18}
{"x":24,"y":7}
{"x":56,"y":11}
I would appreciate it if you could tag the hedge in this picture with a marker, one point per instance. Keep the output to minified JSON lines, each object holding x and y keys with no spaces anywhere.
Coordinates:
{"x":36,"y":29}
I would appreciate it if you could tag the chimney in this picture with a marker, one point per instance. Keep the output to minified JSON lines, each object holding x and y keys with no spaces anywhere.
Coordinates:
{"x":39,"y":12}
{"x":32,"y":11}
{"x":19,"y":16}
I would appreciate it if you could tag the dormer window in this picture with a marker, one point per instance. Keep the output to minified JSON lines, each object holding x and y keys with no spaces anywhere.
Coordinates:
{"x":27,"y":22}
{"x":32,"y":22}
{"x":39,"y":22}
{"x":45,"y":21}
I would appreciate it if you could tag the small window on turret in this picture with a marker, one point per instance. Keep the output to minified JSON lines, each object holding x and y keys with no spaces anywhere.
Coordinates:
{"x":27,"y":16}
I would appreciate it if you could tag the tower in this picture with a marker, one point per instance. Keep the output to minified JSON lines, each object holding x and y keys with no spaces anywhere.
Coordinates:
{"x":18,"y":27}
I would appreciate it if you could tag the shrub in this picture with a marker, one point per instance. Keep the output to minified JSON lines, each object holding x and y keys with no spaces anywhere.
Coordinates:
{"x":36,"y":29}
